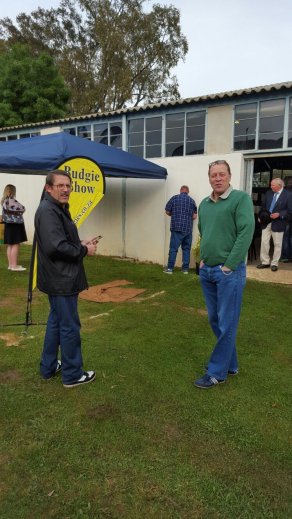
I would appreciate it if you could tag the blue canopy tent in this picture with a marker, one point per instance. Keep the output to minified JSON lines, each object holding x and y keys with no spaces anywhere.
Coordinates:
{"x":38,"y":155}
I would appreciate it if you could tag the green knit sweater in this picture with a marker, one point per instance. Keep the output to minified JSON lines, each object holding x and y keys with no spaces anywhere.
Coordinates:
{"x":226,"y":228}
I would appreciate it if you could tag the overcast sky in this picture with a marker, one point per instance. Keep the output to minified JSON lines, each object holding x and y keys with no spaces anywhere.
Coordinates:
{"x":233,"y":44}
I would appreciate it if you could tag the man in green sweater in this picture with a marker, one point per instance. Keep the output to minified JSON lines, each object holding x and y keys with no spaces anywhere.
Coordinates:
{"x":226,"y":225}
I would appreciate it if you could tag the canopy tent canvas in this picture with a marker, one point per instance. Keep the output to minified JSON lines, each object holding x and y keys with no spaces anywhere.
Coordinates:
{"x":37,"y":155}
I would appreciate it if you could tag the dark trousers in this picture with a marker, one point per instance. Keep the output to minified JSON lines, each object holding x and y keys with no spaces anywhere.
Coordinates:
{"x":183,"y":240}
{"x":63,"y":329}
{"x":287,"y":243}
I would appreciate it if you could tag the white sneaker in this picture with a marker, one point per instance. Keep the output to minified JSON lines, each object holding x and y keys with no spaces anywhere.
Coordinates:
{"x":18,"y":268}
{"x":88,"y":376}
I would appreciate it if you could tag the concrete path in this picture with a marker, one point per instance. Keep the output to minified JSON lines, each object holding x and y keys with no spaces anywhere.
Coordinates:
{"x":283,"y":275}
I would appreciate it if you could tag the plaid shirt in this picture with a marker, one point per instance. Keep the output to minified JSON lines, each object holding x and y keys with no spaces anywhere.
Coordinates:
{"x":182,"y":207}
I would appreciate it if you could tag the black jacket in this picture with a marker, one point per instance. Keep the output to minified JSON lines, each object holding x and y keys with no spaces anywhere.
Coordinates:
{"x":60,"y":253}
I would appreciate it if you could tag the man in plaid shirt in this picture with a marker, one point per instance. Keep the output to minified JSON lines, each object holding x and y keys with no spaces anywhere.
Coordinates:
{"x":183,"y":211}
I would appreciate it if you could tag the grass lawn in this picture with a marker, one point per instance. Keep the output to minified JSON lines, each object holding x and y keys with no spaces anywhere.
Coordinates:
{"x":141,"y":441}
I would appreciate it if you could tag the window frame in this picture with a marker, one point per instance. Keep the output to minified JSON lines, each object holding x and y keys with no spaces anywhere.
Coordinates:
{"x":286,"y":124}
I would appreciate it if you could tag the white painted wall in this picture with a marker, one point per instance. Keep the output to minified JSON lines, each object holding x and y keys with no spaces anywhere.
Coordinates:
{"x":131,"y":215}
{"x":219,"y":129}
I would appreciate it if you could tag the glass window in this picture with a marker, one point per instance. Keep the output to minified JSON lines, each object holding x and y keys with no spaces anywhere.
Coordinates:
{"x":136,"y":150}
{"x":196,"y":118}
{"x":195,"y":132}
{"x":100,"y":133}
{"x":115,"y":130}
{"x":175,"y":120}
{"x":136,"y":125}
{"x":195,"y":148}
{"x":153,"y":137}
{"x":72,"y":130}
{"x":245,"y":121}
{"x":24,"y":135}
{"x":271,"y":124}
{"x":153,"y":132}
{"x":244,"y":142}
{"x":270,"y":141}
{"x":2,"y":139}
{"x":84,"y":131}
{"x":136,"y":137}
{"x":108,"y":133}
{"x":174,"y":150}
{"x":245,"y":127}
{"x":11,"y":137}
{"x":153,"y":151}
{"x":174,"y":136}
{"x":290,"y":124}
{"x":185,"y":133}
{"x":272,"y":108}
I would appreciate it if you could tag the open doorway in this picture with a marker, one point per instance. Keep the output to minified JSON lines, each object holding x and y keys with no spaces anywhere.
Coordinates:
{"x":264,"y":170}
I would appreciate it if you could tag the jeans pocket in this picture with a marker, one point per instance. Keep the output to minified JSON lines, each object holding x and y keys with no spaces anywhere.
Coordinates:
{"x":226,"y":273}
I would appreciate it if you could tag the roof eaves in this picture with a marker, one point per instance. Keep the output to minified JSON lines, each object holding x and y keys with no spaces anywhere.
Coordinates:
{"x":158,"y":105}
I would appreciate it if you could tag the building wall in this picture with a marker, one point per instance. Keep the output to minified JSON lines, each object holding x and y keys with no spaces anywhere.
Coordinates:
{"x":219,"y":129}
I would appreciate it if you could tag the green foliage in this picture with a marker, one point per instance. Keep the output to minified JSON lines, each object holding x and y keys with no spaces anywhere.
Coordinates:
{"x":31,"y":88}
{"x":141,"y":442}
{"x":110,"y":52}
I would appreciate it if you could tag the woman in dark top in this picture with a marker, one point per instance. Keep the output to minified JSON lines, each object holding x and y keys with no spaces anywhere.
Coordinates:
{"x":14,"y":231}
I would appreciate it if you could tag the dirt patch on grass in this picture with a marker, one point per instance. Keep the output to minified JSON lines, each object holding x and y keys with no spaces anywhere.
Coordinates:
{"x":10,"y":376}
{"x":102,"y":411}
{"x":113,"y":291}
{"x":10,"y":339}
{"x":15,"y":294}
{"x":186,"y":309}
{"x":172,"y":432}
{"x":281,"y":357}
{"x":202,"y":311}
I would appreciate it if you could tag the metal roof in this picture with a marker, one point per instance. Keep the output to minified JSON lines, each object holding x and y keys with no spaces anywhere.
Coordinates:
{"x":164,"y":104}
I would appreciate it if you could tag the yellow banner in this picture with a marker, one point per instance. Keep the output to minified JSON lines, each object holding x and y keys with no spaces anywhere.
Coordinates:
{"x":88,"y":188}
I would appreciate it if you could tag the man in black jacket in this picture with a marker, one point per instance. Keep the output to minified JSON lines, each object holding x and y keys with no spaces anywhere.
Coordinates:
{"x":61,"y":275}
{"x":278,"y":203}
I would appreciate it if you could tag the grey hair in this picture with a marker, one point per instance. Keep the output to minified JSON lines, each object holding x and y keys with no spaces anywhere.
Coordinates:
{"x":278,"y":181}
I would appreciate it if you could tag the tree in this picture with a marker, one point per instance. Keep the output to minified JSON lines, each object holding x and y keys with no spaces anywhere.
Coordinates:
{"x":111,"y":53}
{"x":31,"y":88}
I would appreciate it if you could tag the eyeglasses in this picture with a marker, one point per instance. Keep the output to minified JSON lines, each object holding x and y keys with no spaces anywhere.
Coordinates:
{"x":63,"y":186}
{"x":217,"y":162}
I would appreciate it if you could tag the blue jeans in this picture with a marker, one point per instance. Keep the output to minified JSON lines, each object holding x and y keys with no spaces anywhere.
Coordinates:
{"x":183,"y":240}
{"x":63,"y":329}
{"x":223,"y":295}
